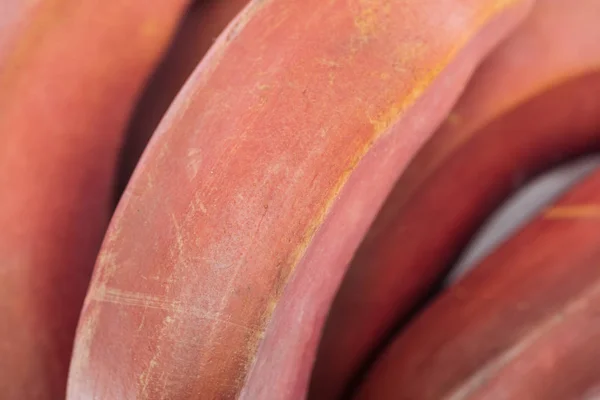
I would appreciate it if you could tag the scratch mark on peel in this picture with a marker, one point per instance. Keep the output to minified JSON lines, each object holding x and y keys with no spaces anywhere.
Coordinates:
{"x":165,"y":150}
{"x":141,"y":325}
{"x":149,"y":178}
{"x":115,"y":233}
{"x":229,"y":290}
{"x":107,"y":259}
{"x":202,"y":208}
{"x":585,"y":211}
{"x":173,"y":307}
{"x":196,"y":202}
{"x":107,"y":266}
{"x":331,"y":79}
{"x":328,"y":62}
{"x":164,"y":379}
{"x":194,"y":160}
{"x":178,"y":238}
{"x":542,"y":328}
{"x":144,"y":378}
{"x":135,"y":299}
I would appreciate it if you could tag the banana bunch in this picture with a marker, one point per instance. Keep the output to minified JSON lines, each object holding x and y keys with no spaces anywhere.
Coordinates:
{"x":223,"y":199}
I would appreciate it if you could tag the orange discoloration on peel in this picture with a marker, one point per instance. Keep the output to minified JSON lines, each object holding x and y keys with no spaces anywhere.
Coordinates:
{"x":585,"y":211}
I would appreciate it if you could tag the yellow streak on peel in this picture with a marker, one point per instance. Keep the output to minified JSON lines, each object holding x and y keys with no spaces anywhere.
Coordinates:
{"x":584,"y":211}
